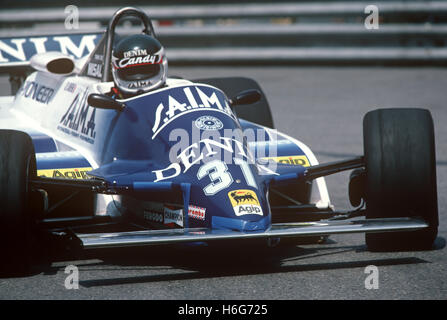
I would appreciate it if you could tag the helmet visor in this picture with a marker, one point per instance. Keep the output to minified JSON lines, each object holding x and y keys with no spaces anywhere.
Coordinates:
{"x":140,"y":72}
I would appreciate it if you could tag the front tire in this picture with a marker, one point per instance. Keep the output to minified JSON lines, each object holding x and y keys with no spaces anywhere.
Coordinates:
{"x":400,"y":175}
{"x":17,"y":167}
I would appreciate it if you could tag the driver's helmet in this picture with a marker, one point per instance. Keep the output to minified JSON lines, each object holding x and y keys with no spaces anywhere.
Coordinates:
{"x":139,"y":64}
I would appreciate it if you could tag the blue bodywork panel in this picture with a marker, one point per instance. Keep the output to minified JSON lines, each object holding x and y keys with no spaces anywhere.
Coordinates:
{"x":184,"y":145}
{"x":139,"y":157}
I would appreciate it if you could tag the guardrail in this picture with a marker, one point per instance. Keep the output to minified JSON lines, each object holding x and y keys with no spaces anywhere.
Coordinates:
{"x":263,"y":10}
{"x":314,"y":32}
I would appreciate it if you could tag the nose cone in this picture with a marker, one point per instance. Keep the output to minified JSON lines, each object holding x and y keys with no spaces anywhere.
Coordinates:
{"x":238,"y":206}
{"x":245,"y":202}
{"x":245,"y":211}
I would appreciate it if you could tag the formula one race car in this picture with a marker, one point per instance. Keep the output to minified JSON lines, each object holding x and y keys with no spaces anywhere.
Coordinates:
{"x":190,"y":162}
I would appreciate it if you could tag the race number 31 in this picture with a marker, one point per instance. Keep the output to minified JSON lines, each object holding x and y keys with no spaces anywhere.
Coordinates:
{"x":221,"y":178}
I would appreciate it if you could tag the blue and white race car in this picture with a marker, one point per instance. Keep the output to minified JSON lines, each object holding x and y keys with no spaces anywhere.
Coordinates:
{"x":195,"y":161}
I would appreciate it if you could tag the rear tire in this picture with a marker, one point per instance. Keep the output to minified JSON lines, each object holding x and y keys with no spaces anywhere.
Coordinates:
{"x":400,"y":175}
{"x":258,"y":112}
{"x":17,"y":167}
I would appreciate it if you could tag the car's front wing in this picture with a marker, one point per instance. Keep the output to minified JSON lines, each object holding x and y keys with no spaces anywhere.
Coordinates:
{"x":158,"y":237}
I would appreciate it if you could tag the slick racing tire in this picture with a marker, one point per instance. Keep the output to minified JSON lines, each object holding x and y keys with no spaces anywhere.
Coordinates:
{"x":400,"y":175}
{"x":17,"y":166}
{"x":258,"y":112}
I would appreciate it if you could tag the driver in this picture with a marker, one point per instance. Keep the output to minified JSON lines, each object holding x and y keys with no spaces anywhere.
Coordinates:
{"x":139,"y":65}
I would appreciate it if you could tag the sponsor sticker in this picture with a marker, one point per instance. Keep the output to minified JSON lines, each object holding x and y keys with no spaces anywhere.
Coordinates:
{"x":208,"y":123}
{"x":138,"y":61}
{"x":70,"y":87}
{"x":197,"y":213}
{"x":162,"y":214}
{"x":193,"y":154}
{"x":170,"y":216}
{"x":94,"y":70}
{"x":136,"y":52}
{"x":66,"y":173}
{"x":79,"y":119}
{"x":138,"y":84}
{"x":173,"y":217}
{"x":189,"y":99}
{"x":153,"y":216}
{"x":137,"y":57}
{"x":244,"y":202}
{"x":13,"y":50}
{"x":293,"y":160}
{"x":36,"y":91}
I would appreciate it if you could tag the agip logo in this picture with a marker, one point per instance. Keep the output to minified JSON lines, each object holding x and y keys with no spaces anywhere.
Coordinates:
{"x":245,"y":202}
{"x":292,"y":160}
{"x":65,"y":173}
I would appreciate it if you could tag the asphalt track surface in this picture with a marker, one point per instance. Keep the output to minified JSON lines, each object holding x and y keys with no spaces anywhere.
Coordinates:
{"x":323,"y":107}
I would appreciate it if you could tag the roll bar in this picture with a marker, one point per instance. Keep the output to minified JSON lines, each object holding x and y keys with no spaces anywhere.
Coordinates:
{"x":110,"y":34}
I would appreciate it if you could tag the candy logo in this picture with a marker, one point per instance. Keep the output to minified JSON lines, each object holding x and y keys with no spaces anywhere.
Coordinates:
{"x":136,"y":61}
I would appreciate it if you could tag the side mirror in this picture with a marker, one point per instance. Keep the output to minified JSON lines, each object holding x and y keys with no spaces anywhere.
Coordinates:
{"x":104,"y":102}
{"x":246,"y":97}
